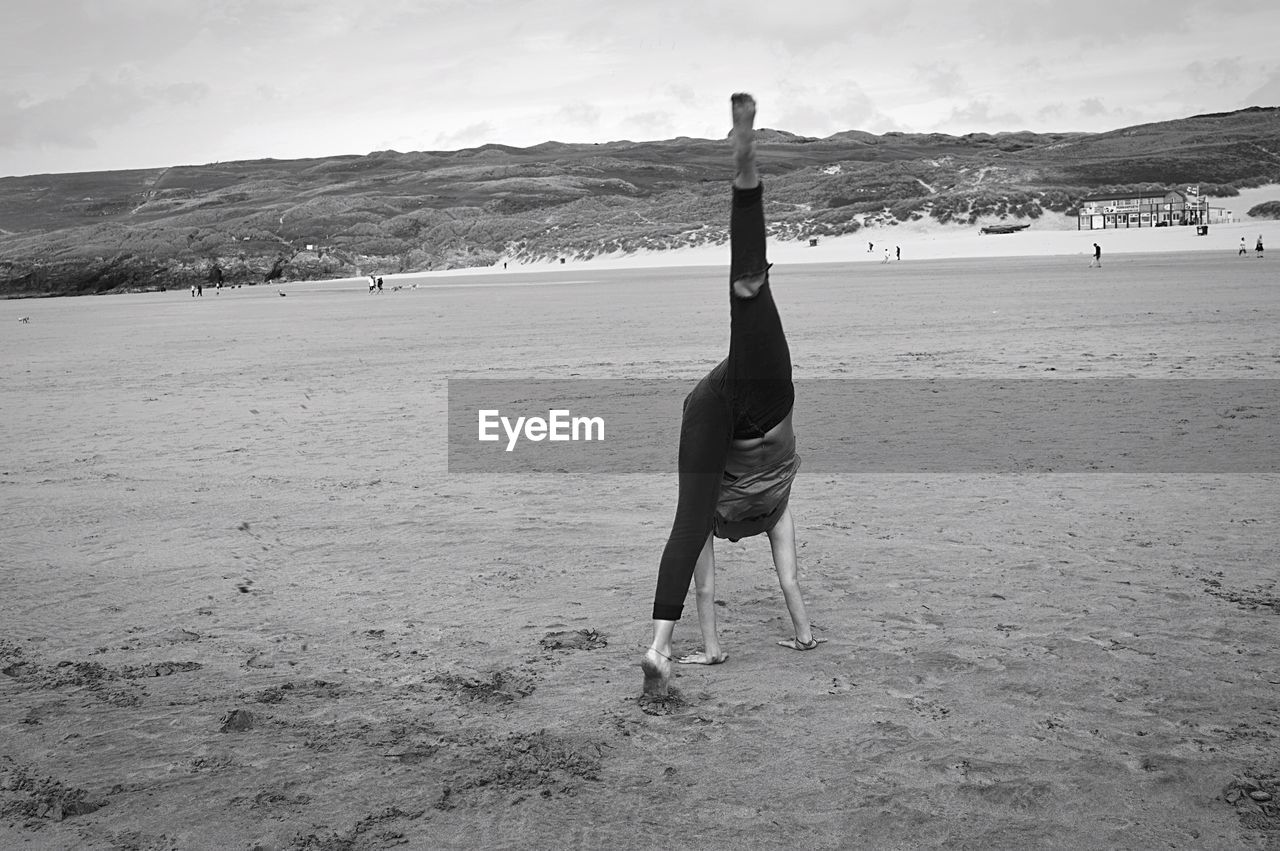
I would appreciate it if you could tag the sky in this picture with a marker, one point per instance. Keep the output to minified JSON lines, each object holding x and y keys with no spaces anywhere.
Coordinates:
{"x":94,"y":85}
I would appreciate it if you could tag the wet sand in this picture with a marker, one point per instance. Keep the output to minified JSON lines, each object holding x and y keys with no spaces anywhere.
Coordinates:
{"x":245,"y":605}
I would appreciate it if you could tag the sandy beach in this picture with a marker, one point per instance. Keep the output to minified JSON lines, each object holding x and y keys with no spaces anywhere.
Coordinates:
{"x":925,"y":239}
{"x":246,"y":605}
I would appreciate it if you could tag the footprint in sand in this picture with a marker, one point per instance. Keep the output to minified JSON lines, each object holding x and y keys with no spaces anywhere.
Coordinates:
{"x":661,"y":706}
{"x":929,"y":709}
{"x":1254,"y":797}
{"x":839,"y":685}
{"x":493,"y":687}
{"x":921,"y":706}
{"x":159,"y":669}
{"x":177,"y":635}
{"x":41,"y":796}
{"x":237,"y":721}
{"x":576,"y":639}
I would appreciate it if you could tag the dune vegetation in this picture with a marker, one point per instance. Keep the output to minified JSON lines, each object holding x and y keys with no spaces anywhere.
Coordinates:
{"x":1265,"y":210}
{"x":389,"y":212}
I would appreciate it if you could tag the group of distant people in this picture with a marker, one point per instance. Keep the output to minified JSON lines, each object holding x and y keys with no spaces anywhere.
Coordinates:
{"x":1243,"y":252}
{"x":896,"y":254}
{"x":216,"y":278}
{"x":197,"y":290}
{"x":375,"y":283}
{"x":1257,"y":248}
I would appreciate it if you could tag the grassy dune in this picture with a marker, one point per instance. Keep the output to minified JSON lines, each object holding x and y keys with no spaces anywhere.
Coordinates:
{"x":405,"y":212}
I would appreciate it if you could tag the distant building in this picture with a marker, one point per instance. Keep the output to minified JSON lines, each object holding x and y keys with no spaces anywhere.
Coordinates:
{"x":1156,"y":209}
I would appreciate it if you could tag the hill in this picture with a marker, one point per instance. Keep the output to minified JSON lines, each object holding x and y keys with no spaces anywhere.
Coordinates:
{"x":398,"y":212}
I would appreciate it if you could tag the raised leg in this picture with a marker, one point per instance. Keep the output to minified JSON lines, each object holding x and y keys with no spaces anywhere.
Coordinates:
{"x":745,"y":176}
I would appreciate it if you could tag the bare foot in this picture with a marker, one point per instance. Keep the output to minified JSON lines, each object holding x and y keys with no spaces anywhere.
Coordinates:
{"x":743,"y":108}
{"x":702,"y":657}
{"x":748,"y":287}
{"x":797,"y":644}
{"x":657,"y":673}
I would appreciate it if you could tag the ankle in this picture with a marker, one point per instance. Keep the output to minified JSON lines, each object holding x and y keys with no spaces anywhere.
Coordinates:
{"x":749,"y":287}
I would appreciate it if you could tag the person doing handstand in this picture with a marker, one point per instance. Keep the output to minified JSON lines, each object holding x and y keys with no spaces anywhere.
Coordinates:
{"x":737,"y":456}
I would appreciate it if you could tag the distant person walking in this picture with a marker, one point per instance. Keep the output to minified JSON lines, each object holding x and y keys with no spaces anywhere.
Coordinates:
{"x":871,"y":246}
{"x":898,"y":249}
{"x":1243,"y":249}
{"x":1258,"y":248}
{"x":886,"y":256}
{"x":1097,"y":256}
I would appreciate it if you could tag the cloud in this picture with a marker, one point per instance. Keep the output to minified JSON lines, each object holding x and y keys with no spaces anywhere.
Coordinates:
{"x":101,"y":34}
{"x":580,"y":114}
{"x":76,"y":72}
{"x":1223,"y":73}
{"x":941,"y":79}
{"x":1268,"y":94}
{"x":181,"y":94}
{"x":760,"y":26}
{"x":1089,"y":21}
{"x":816,"y":25}
{"x":1092,"y":108}
{"x":470,"y":136}
{"x":649,"y":125}
{"x":75,"y":119}
{"x":682,"y":94}
{"x":1052,"y":111}
{"x":979,"y":116}
{"x":10,"y":114}
{"x":820,"y":110}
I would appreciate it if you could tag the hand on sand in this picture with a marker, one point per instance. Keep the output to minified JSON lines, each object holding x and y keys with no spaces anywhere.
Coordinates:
{"x":702,"y":658}
{"x":797,"y":644}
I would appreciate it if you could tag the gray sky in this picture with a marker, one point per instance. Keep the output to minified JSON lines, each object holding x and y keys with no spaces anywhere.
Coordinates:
{"x":89,"y":85}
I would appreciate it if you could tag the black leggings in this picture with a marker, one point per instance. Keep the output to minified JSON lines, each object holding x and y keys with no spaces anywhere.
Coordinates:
{"x":744,"y":396}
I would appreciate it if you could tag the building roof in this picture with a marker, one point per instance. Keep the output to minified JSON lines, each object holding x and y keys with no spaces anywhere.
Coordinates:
{"x":1113,"y":196}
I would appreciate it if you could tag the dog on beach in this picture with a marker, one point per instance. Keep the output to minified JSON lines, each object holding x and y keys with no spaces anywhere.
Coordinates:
{"x":24,"y":319}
